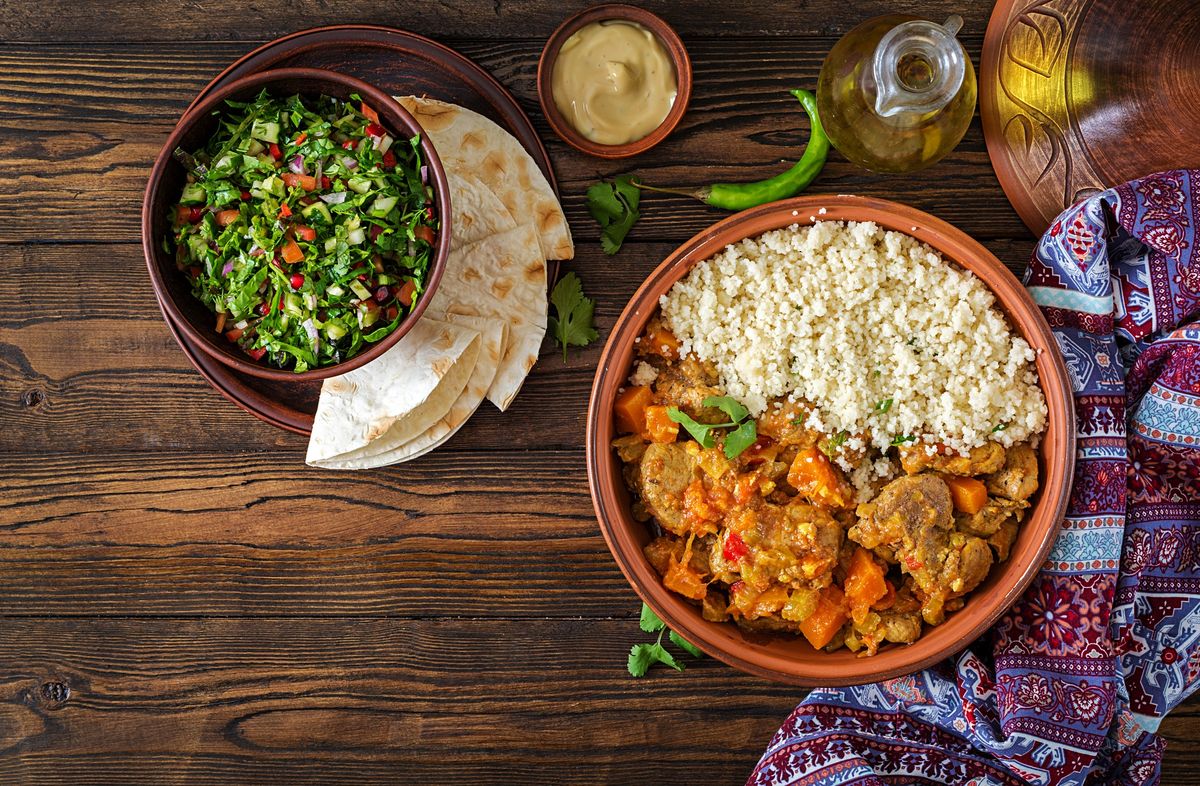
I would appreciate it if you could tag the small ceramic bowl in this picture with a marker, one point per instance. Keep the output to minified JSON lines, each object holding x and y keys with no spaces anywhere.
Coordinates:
{"x":168,"y":176}
{"x":791,"y":659}
{"x":625,"y":13}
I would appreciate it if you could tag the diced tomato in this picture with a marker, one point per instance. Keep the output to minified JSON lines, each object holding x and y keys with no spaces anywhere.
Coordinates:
{"x":245,"y":196}
{"x":405,"y":295}
{"x":326,"y":183}
{"x":734,"y":548}
{"x":190,"y":215}
{"x":257,"y":354}
{"x":264,"y":308}
{"x":291,"y":252}
{"x":376,"y":231}
{"x":276,"y":153}
{"x":368,"y":112}
{"x":391,"y":312}
{"x":194,"y":271}
{"x":370,"y":304}
{"x":235,"y":334}
{"x":227,"y":217}
{"x":297,"y":281}
{"x":306,"y":233}
{"x":425,"y":233}
{"x":389,"y":159}
{"x":291,"y":180}
{"x":300,"y":139}
{"x":374,"y":129}
{"x":912,"y":563}
{"x":348,"y":144}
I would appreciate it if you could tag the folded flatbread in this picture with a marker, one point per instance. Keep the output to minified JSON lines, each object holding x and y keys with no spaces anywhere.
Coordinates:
{"x":391,"y":400}
{"x":500,"y":277}
{"x":468,"y":142}
{"x":475,"y":211}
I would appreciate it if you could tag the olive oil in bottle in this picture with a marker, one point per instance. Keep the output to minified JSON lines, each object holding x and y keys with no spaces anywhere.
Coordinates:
{"x":897,"y":93}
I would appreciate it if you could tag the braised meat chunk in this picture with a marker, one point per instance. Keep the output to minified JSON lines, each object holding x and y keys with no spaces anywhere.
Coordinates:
{"x":1018,"y":478}
{"x":988,"y":457}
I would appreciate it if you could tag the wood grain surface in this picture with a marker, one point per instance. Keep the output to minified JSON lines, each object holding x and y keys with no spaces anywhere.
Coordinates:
{"x":182,"y":601}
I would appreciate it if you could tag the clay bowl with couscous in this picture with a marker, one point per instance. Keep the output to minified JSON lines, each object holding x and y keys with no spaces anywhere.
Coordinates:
{"x":692,"y":488}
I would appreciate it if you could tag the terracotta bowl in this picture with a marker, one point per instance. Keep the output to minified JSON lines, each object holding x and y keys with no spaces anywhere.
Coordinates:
{"x":626,"y":13}
{"x":166,"y":183}
{"x":791,"y":659}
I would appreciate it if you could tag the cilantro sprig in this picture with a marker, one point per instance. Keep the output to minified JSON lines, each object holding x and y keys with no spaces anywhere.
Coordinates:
{"x":573,"y":325}
{"x":614,"y":205}
{"x":643,"y":656}
{"x":744,"y":433}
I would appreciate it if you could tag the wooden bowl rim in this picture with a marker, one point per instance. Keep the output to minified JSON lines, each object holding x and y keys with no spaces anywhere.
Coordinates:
{"x":627,"y":13}
{"x":392,"y":116}
{"x":790,"y":659}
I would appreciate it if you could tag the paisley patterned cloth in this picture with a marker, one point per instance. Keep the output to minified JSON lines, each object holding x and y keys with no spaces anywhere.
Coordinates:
{"x":1071,"y":685}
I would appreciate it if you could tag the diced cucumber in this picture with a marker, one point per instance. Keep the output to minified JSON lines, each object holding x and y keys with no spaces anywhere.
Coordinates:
{"x":360,"y":290}
{"x":384,"y":278}
{"x":368,"y":316}
{"x":198,"y":246}
{"x":356,"y":236}
{"x":255,"y":148}
{"x":292,"y":304}
{"x":265,"y":130}
{"x":360,"y":184}
{"x":331,"y":245}
{"x":383,"y":205}
{"x":193,"y":194}
{"x":317,"y":209}
{"x":334,"y":329}
{"x":334,"y":290}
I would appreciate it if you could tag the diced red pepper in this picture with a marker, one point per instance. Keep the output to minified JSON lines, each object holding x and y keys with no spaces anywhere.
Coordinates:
{"x":306,"y":233}
{"x":376,"y":231}
{"x":326,"y":183}
{"x":264,"y":308}
{"x":405,"y":295}
{"x":194,"y":271}
{"x":389,"y":159}
{"x":735,"y":548}
{"x":235,"y":334}
{"x":276,"y":153}
{"x":912,"y":563}
{"x":392,"y":311}
{"x":257,"y":354}
{"x":425,"y":233}
{"x":736,"y":587}
{"x":300,"y":139}
{"x":245,"y":196}
{"x":374,"y":129}
{"x":284,"y":211}
{"x":368,"y":112}
{"x":297,"y":281}
{"x":348,"y":144}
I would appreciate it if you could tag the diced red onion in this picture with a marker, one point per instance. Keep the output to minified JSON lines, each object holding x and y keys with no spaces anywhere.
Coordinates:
{"x":297,"y":164}
{"x":334,"y":199}
{"x":311,"y":330}
{"x":241,"y":324}
{"x":228,"y":268}
{"x":425,"y":174}
{"x":349,"y":163}
{"x":320,"y":171}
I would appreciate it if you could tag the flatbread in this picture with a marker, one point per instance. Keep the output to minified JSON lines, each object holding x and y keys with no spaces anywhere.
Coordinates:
{"x":475,"y":211}
{"x":392,"y":399}
{"x":467,"y":142}
{"x":503,"y":277}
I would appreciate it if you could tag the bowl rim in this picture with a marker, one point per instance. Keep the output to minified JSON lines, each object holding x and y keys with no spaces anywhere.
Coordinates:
{"x":602,"y":13}
{"x":389,"y":111}
{"x":940,"y":641}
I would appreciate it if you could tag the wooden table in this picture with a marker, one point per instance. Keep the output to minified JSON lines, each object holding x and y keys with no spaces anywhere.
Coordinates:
{"x":182,"y":601}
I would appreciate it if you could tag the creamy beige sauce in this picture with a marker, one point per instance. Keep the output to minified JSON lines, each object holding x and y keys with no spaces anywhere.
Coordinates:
{"x":613,"y":82}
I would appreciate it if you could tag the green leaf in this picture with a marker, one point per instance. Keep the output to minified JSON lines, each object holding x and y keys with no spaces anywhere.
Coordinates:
{"x":664,"y":657}
{"x":701,"y":432}
{"x":883,"y":406}
{"x":740,"y":438}
{"x":902,"y":439}
{"x":835,"y":442}
{"x":729,"y":405}
{"x":999,"y":427}
{"x":641,"y":658}
{"x":686,"y":645}
{"x":573,"y":323}
{"x":649,"y":621}
{"x":614,"y":206}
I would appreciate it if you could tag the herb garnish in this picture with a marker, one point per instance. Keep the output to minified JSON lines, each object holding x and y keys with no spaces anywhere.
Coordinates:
{"x":643,"y":656}
{"x":902,"y":439}
{"x":882,"y":407}
{"x":999,"y":427}
{"x":835,"y":442}
{"x":615,"y":207}
{"x":573,"y":324}
{"x":744,"y":433}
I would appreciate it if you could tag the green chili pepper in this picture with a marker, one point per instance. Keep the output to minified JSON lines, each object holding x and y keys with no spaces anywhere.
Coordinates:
{"x":739,"y":196}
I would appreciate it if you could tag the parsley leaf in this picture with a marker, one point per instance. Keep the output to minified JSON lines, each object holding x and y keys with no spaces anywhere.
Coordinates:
{"x":615,"y":207}
{"x":729,"y":405}
{"x":686,"y":645}
{"x":643,"y":656}
{"x":649,"y":621}
{"x":701,"y":432}
{"x":745,"y":430}
{"x":573,"y":324}
{"x":740,"y":438}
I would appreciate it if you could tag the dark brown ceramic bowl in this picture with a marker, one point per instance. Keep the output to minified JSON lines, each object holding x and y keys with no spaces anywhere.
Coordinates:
{"x":791,"y":659}
{"x":626,"y":13}
{"x":167,"y":180}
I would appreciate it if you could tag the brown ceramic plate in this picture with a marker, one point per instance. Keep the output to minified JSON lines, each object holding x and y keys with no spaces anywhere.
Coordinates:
{"x":1081,"y":96}
{"x":167,"y":179}
{"x":395,"y":61}
{"x":607,"y":13}
{"x":790,"y":658}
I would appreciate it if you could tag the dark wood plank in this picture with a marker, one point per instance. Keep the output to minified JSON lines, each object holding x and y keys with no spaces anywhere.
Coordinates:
{"x":115,"y":104}
{"x":368,"y":701}
{"x":205,"y":20}
{"x":76,"y":356}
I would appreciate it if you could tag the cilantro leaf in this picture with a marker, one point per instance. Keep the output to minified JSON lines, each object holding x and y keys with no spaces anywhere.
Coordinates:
{"x":701,"y":432}
{"x":740,"y":438}
{"x":686,"y":645}
{"x":641,"y":658}
{"x":999,"y":427}
{"x":729,"y":405}
{"x":903,"y":439}
{"x":882,"y":407}
{"x":614,"y":206}
{"x":574,"y":323}
{"x":650,"y":622}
